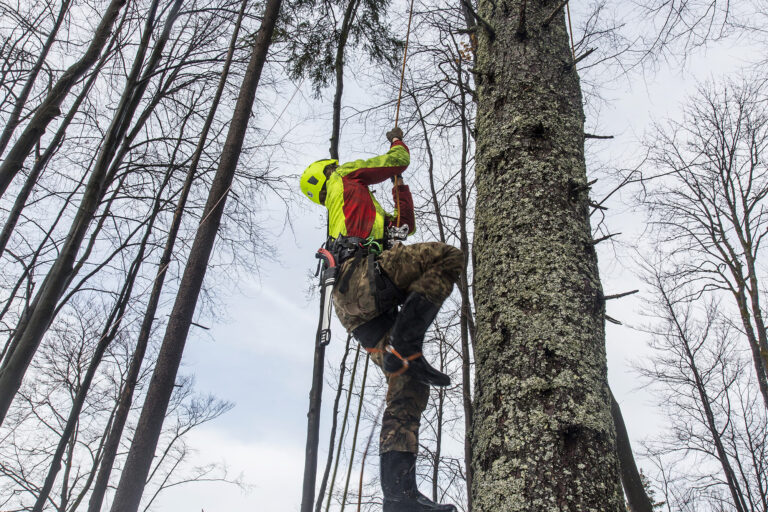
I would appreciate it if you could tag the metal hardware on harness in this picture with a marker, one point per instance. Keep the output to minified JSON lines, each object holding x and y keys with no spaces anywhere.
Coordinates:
{"x":395,"y":234}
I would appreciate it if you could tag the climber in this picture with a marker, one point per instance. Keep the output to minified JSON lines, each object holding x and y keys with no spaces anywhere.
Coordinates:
{"x":375,"y":277}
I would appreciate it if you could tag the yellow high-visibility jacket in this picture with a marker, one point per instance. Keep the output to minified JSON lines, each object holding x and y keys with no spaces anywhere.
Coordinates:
{"x":352,"y":208}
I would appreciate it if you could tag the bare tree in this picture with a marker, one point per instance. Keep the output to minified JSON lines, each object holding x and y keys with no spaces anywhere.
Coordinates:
{"x":129,"y":491}
{"x":43,"y":306}
{"x":49,"y":108}
{"x":717,"y":429}
{"x":706,"y":195}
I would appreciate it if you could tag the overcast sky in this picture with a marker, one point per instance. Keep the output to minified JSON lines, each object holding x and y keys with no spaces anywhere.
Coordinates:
{"x":261,"y":358}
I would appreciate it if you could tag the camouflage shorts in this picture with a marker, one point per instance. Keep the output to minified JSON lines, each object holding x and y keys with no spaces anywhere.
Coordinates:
{"x":430,"y":269}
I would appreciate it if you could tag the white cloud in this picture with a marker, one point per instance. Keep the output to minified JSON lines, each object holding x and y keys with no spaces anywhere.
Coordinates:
{"x":274,"y":471}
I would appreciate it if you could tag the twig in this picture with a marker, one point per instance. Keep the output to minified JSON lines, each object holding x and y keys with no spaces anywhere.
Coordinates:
{"x":201,"y":326}
{"x":613,"y":320}
{"x":480,"y":19}
{"x":593,"y":136}
{"x":620,"y":295}
{"x":597,"y":206}
{"x":603,"y":239}
{"x":582,"y":188}
{"x":554,"y":13}
{"x":583,"y":56}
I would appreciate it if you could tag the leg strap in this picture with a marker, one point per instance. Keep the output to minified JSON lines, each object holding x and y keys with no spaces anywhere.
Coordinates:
{"x":405,"y":360}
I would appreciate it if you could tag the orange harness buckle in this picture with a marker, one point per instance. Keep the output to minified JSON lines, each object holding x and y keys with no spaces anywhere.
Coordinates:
{"x":405,"y":360}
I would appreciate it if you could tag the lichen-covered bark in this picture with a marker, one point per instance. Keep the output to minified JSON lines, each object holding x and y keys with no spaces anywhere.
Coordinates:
{"x":543,"y":438}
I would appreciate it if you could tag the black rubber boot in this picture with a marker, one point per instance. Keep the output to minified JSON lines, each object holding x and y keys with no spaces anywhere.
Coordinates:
{"x":407,"y":338}
{"x":398,"y":483}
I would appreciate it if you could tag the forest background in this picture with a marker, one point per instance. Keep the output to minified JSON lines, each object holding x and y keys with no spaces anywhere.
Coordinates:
{"x":234,"y":438}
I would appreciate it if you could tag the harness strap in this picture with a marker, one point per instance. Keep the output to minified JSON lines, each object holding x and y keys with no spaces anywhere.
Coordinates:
{"x":405,"y":360}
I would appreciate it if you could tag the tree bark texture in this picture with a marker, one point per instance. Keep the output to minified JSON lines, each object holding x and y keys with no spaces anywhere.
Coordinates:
{"x":543,"y":438}
{"x":137,"y":465}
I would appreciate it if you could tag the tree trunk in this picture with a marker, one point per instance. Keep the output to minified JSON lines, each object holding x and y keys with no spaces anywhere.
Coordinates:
{"x":630,"y":477}
{"x":334,"y":426}
{"x":42,"y":162}
{"x":543,"y":437}
{"x":132,"y":481}
{"x":49,"y":108}
{"x":705,"y":404}
{"x":338,"y":65}
{"x":111,"y":328}
{"x":44,"y":304}
{"x":112,"y":443}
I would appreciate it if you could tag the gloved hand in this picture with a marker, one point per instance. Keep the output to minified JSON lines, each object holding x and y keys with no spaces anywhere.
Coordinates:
{"x":394,"y":133}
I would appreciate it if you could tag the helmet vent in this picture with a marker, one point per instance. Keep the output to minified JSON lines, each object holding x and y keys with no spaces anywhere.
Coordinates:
{"x":312,"y":180}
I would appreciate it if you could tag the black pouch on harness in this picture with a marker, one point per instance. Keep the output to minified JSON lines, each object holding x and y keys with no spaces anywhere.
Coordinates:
{"x":387,"y":297}
{"x":384,"y":290}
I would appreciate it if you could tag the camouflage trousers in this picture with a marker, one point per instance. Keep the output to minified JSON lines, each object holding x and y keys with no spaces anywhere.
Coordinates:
{"x":430,"y":269}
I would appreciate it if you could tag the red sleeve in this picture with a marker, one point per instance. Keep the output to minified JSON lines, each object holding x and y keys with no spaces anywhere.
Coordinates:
{"x":378,"y":169}
{"x":401,"y":195}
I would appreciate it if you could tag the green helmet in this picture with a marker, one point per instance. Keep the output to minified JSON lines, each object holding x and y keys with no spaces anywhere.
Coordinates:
{"x":313,"y":179}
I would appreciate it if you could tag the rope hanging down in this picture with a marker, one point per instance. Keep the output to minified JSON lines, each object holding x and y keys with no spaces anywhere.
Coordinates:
{"x":399,"y":98}
{"x":405,"y":56}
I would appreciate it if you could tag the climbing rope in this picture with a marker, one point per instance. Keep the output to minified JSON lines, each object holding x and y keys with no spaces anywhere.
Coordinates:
{"x":399,"y":99}
{"x":405,"y":56}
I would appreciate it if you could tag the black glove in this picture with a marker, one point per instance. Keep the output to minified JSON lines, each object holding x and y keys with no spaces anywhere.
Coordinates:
{"x":395,"y":133}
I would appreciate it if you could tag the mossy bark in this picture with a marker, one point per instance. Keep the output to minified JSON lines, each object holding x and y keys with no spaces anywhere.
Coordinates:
{"x":543,"y":437}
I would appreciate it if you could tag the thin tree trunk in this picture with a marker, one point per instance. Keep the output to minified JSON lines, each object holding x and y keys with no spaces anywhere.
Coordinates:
{"x":740,"y":295}
{"x":334,"y":426}
{"x":49,"y":108}
{"x":706,"y":405}
{"x":126,"y":397}
{"x":42,"y":162}
{"x":543,"y":437}
{"x":54,"y":285}
{"x":13,"y":120}
{"x":439,"y":430}
{"x":466,"y":322}
{"x":132,"y":481}
{"x":630,"y":477}
{"x":338,"y":65}
{"x":111,"y":328}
